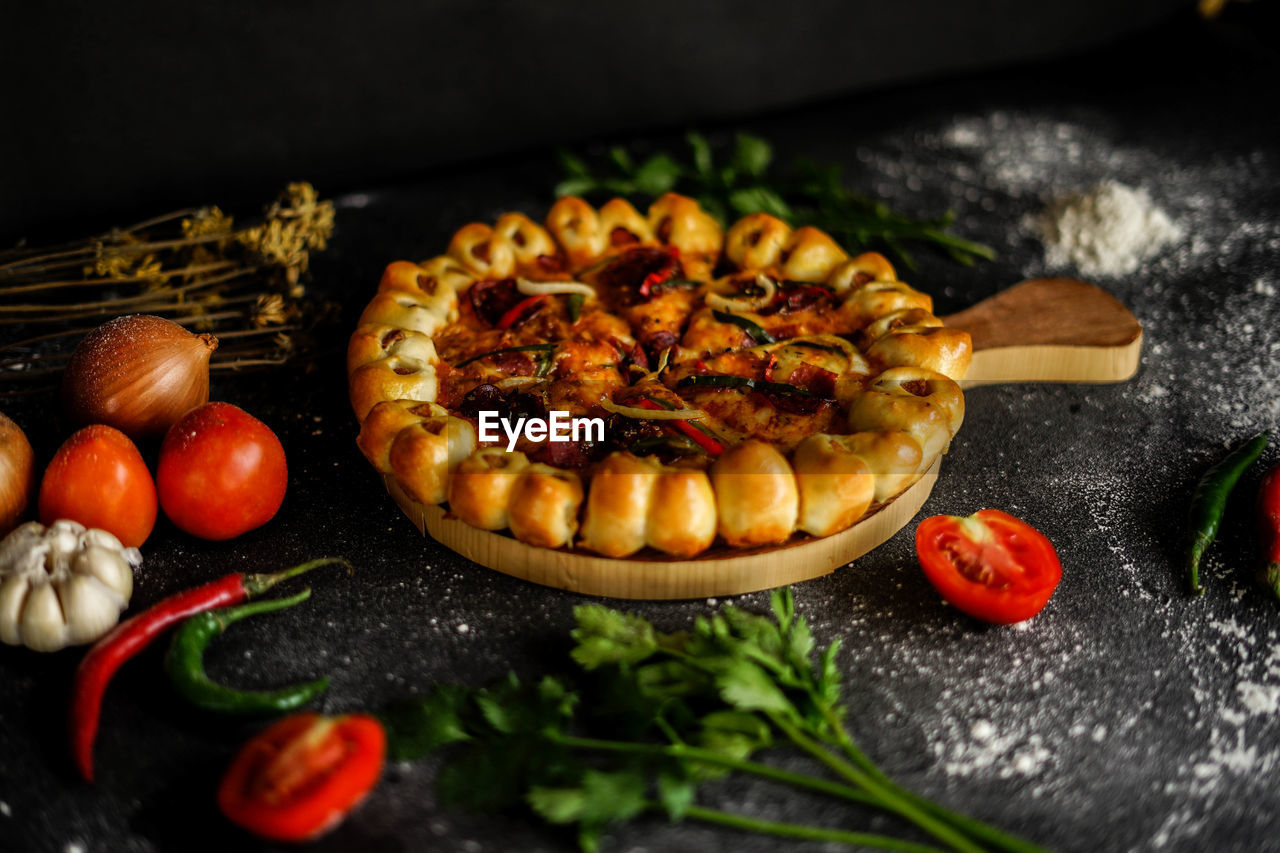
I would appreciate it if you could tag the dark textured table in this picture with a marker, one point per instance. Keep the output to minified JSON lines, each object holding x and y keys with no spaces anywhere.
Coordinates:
{"x":1125,"y":716}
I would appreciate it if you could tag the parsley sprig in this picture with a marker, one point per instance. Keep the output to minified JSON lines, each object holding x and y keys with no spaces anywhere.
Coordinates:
{"x":649,"y":716}
{"x":808,"y":194}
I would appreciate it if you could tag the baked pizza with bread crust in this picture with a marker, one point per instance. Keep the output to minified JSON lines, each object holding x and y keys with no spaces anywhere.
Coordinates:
{"x":749,"y":386}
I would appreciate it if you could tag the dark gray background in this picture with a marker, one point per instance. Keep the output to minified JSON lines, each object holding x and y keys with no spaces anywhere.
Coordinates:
{"x":147,"y":104}
{"x":1125,"y":716}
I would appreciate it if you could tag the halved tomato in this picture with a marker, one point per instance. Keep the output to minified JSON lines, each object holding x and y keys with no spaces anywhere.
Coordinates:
{"x":300,"y":777}
{"x":989,"y":564}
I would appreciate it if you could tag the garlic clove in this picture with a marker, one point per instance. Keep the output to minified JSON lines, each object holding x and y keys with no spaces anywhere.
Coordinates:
{"x":63,"y":540}
{"x":42,"y":625}
{"x":98,"y":536}
{"x":20,"y":542}
{"x":13,"y":594}
{"x":107,"y":568}
{"x":90,"y":608}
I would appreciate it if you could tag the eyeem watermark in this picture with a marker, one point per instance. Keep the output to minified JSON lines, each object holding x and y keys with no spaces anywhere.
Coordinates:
{"x":559,"y":426}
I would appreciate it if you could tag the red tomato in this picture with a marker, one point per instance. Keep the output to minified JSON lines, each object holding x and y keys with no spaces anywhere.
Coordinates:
{"x":222,"y":472}
{"x":990,"y":565}
{"x":98,"y":478}
{"x":299,"y":778}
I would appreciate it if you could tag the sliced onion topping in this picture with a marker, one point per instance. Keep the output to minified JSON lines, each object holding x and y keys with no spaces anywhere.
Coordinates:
{"x":540,"y":288}
{"x":769,"y":289}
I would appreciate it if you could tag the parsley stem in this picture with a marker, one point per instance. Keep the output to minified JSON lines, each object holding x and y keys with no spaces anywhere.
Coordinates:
{"x":975,"y":828}
{"x":887,"y":797}
{"x":809,"y":833}
{"x":685,"y":752}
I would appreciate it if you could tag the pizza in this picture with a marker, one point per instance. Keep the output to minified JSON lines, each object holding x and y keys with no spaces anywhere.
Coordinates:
{"x":736,"y":388}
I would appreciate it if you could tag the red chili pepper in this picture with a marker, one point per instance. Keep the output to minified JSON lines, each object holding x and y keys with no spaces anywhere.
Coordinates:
{"x":769,"y":366}
{"x":1269,"y":521}
{"x":133,"y":635}
{"x":667,"y":271}
{"x":519,"y":310}
{"x":703,"y":440}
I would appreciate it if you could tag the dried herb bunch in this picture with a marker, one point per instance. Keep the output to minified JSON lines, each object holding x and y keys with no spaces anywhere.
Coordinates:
{"x":245,"y":283}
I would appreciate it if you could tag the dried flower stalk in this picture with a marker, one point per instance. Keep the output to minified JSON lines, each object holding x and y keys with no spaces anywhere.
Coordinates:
{"x":195,"y":266}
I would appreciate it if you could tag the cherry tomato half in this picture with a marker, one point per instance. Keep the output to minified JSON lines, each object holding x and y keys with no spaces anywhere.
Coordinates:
{"x":222,"y":472}
{"x":98,"y":478}
{"x":990,"y":564}
{"x":300,"y":777}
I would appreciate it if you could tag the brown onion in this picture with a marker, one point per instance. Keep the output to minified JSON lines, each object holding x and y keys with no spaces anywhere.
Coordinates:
{"x":138,"y":373}
{"x":17,"y":473}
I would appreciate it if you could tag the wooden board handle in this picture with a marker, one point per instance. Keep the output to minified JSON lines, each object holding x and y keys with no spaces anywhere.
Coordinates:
{"x":1050,"y":330}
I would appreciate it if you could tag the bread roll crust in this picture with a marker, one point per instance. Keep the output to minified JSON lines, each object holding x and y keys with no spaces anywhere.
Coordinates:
{"x":635,"y":502}
{"x":543,"y":509}
{"x":480,"y":489}
{"x":756,"y":495}
{"x":835,"y":485}
{"x":894,"y":394}
{"x":936,"y":348}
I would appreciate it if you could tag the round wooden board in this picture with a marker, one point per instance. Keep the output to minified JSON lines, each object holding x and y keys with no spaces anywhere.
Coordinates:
{"x":718,"y":572}
{"x":1040,"y":330}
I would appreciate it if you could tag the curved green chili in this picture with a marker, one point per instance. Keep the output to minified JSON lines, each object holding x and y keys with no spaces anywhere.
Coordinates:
{"x":185,"y":664}
{"x":753,"y":329}
{"x":1210,"y":499}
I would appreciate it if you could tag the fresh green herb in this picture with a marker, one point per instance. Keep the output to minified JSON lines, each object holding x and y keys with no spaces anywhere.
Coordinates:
{"x":544,"y":348}
{"x":678,"y":709}
{"x":752,"y":328}
{"x":719,"y":380}
{"x":808,"y":194}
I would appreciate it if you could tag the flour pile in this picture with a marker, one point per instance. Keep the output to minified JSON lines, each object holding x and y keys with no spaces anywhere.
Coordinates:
{"x":1108,"y":231}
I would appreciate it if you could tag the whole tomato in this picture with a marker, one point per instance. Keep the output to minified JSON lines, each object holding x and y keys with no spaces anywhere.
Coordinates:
{"x":222,"y":472}
{"x":98,"y":478}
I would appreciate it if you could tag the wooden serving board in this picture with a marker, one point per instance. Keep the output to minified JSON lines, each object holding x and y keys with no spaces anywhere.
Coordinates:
{"x":1042,"y":330}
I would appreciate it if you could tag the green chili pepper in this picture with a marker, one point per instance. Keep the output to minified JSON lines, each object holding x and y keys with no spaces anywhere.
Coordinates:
{"x":1210,"y":499}
{"x":832,"y":348}
{"x":676,"y":445}
{"x":747,"y":325}
{"x":505,"y":350}
{"x":185,"y":664}
{"x":573,"y":303}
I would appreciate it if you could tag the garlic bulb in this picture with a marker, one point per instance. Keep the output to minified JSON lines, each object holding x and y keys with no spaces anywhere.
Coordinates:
{"x":138,"y":373}
{"x":63,"y":585}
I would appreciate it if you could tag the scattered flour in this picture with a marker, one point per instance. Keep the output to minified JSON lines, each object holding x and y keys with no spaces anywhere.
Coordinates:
{"x":1259,"y":698}
{"x":1196,"y":739}
{"x":1108,"y":231}
{"x":1005,"y":755}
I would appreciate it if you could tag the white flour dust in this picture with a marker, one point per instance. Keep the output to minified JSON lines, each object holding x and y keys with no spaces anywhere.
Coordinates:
{"x":1195,"y":739}
{"x":1108,"y":231}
